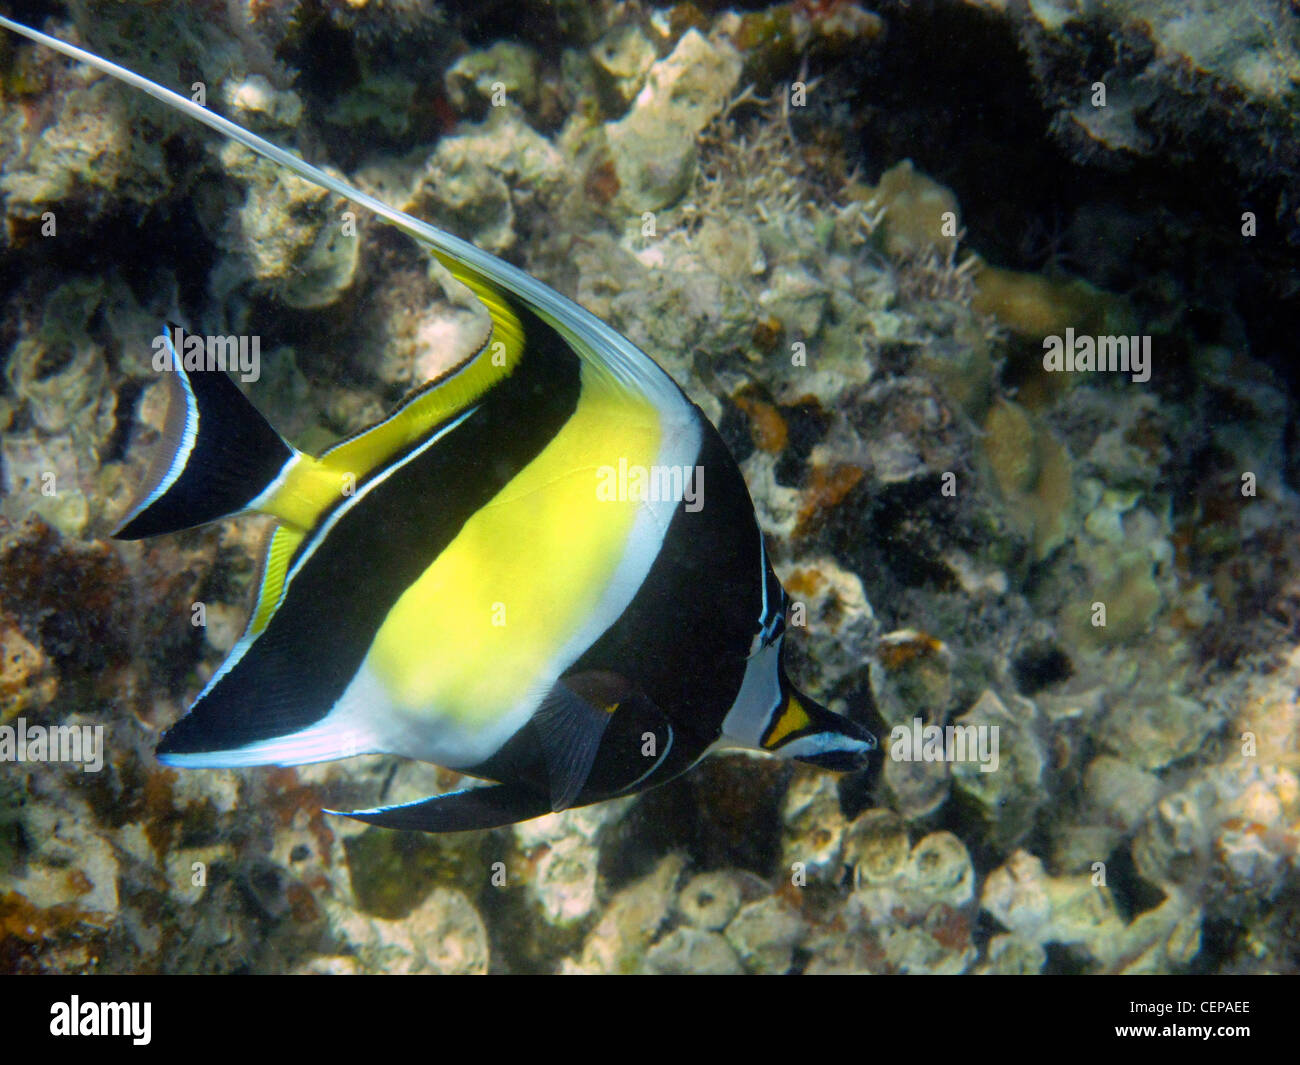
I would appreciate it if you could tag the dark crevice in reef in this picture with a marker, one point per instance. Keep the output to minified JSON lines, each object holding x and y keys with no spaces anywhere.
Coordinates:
{"x":1220,"y":938}
{"x":148,"y":249}
{"x":951,"y":88}
{"x":892,"y":539}
{"x":724,"y":814}
{"x":1064,"y":960}
{"x":138,"y":243}
{"x":488,"y":21}
{"x":1133,"y":894}
{"x":333,"y":59}
{"x":951,"y":91}
{"x":323,"y":54}
{"x":34,"y":12}
{"x":1040,"y":666}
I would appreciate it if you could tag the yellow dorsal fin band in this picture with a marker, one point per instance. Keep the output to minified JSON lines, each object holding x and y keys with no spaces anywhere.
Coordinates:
{"x":506,"y":327}
{"x":312,"y":485}
{"x":306,"y":490}
{"x":429,"y":406}
{"x":284,"y":541}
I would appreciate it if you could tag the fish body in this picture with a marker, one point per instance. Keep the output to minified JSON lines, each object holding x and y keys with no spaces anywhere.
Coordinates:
{"x":543,"y":569}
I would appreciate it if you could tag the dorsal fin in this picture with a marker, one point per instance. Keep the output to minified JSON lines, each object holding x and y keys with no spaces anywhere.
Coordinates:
{"x":605,"y":353}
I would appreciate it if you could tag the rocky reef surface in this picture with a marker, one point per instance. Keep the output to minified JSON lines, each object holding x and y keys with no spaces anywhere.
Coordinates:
{"x":849,"y":234}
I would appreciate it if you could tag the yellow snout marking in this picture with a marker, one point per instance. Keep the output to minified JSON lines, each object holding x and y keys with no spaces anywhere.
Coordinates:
{"x":793,"y":718}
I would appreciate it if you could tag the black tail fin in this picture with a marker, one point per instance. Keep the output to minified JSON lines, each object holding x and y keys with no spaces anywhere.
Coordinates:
{"x":217,"y":454}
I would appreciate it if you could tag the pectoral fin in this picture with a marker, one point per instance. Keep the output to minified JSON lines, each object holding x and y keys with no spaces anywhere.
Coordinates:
{"x":599,"y":736}
{"x":569,"y":729}
{"x":636,"y":745}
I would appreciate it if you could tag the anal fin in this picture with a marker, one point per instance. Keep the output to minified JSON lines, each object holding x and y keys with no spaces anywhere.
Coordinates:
{"x":458,"y":811}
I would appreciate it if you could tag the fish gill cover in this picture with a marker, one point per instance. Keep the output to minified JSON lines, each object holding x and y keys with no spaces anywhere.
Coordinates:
{"x":992,"y":304}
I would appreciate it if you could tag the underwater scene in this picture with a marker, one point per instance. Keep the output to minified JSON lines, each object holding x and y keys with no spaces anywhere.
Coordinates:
{"x":600,"y":486}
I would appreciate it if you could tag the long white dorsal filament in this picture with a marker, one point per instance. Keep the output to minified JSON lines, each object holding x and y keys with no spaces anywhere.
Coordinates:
{"x":593,"y":339}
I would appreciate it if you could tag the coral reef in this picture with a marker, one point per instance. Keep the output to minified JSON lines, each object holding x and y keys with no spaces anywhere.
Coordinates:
{"x":1173,"y":73}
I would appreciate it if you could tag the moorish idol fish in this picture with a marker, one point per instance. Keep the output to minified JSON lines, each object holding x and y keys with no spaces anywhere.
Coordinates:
{"x":468,"y":582}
